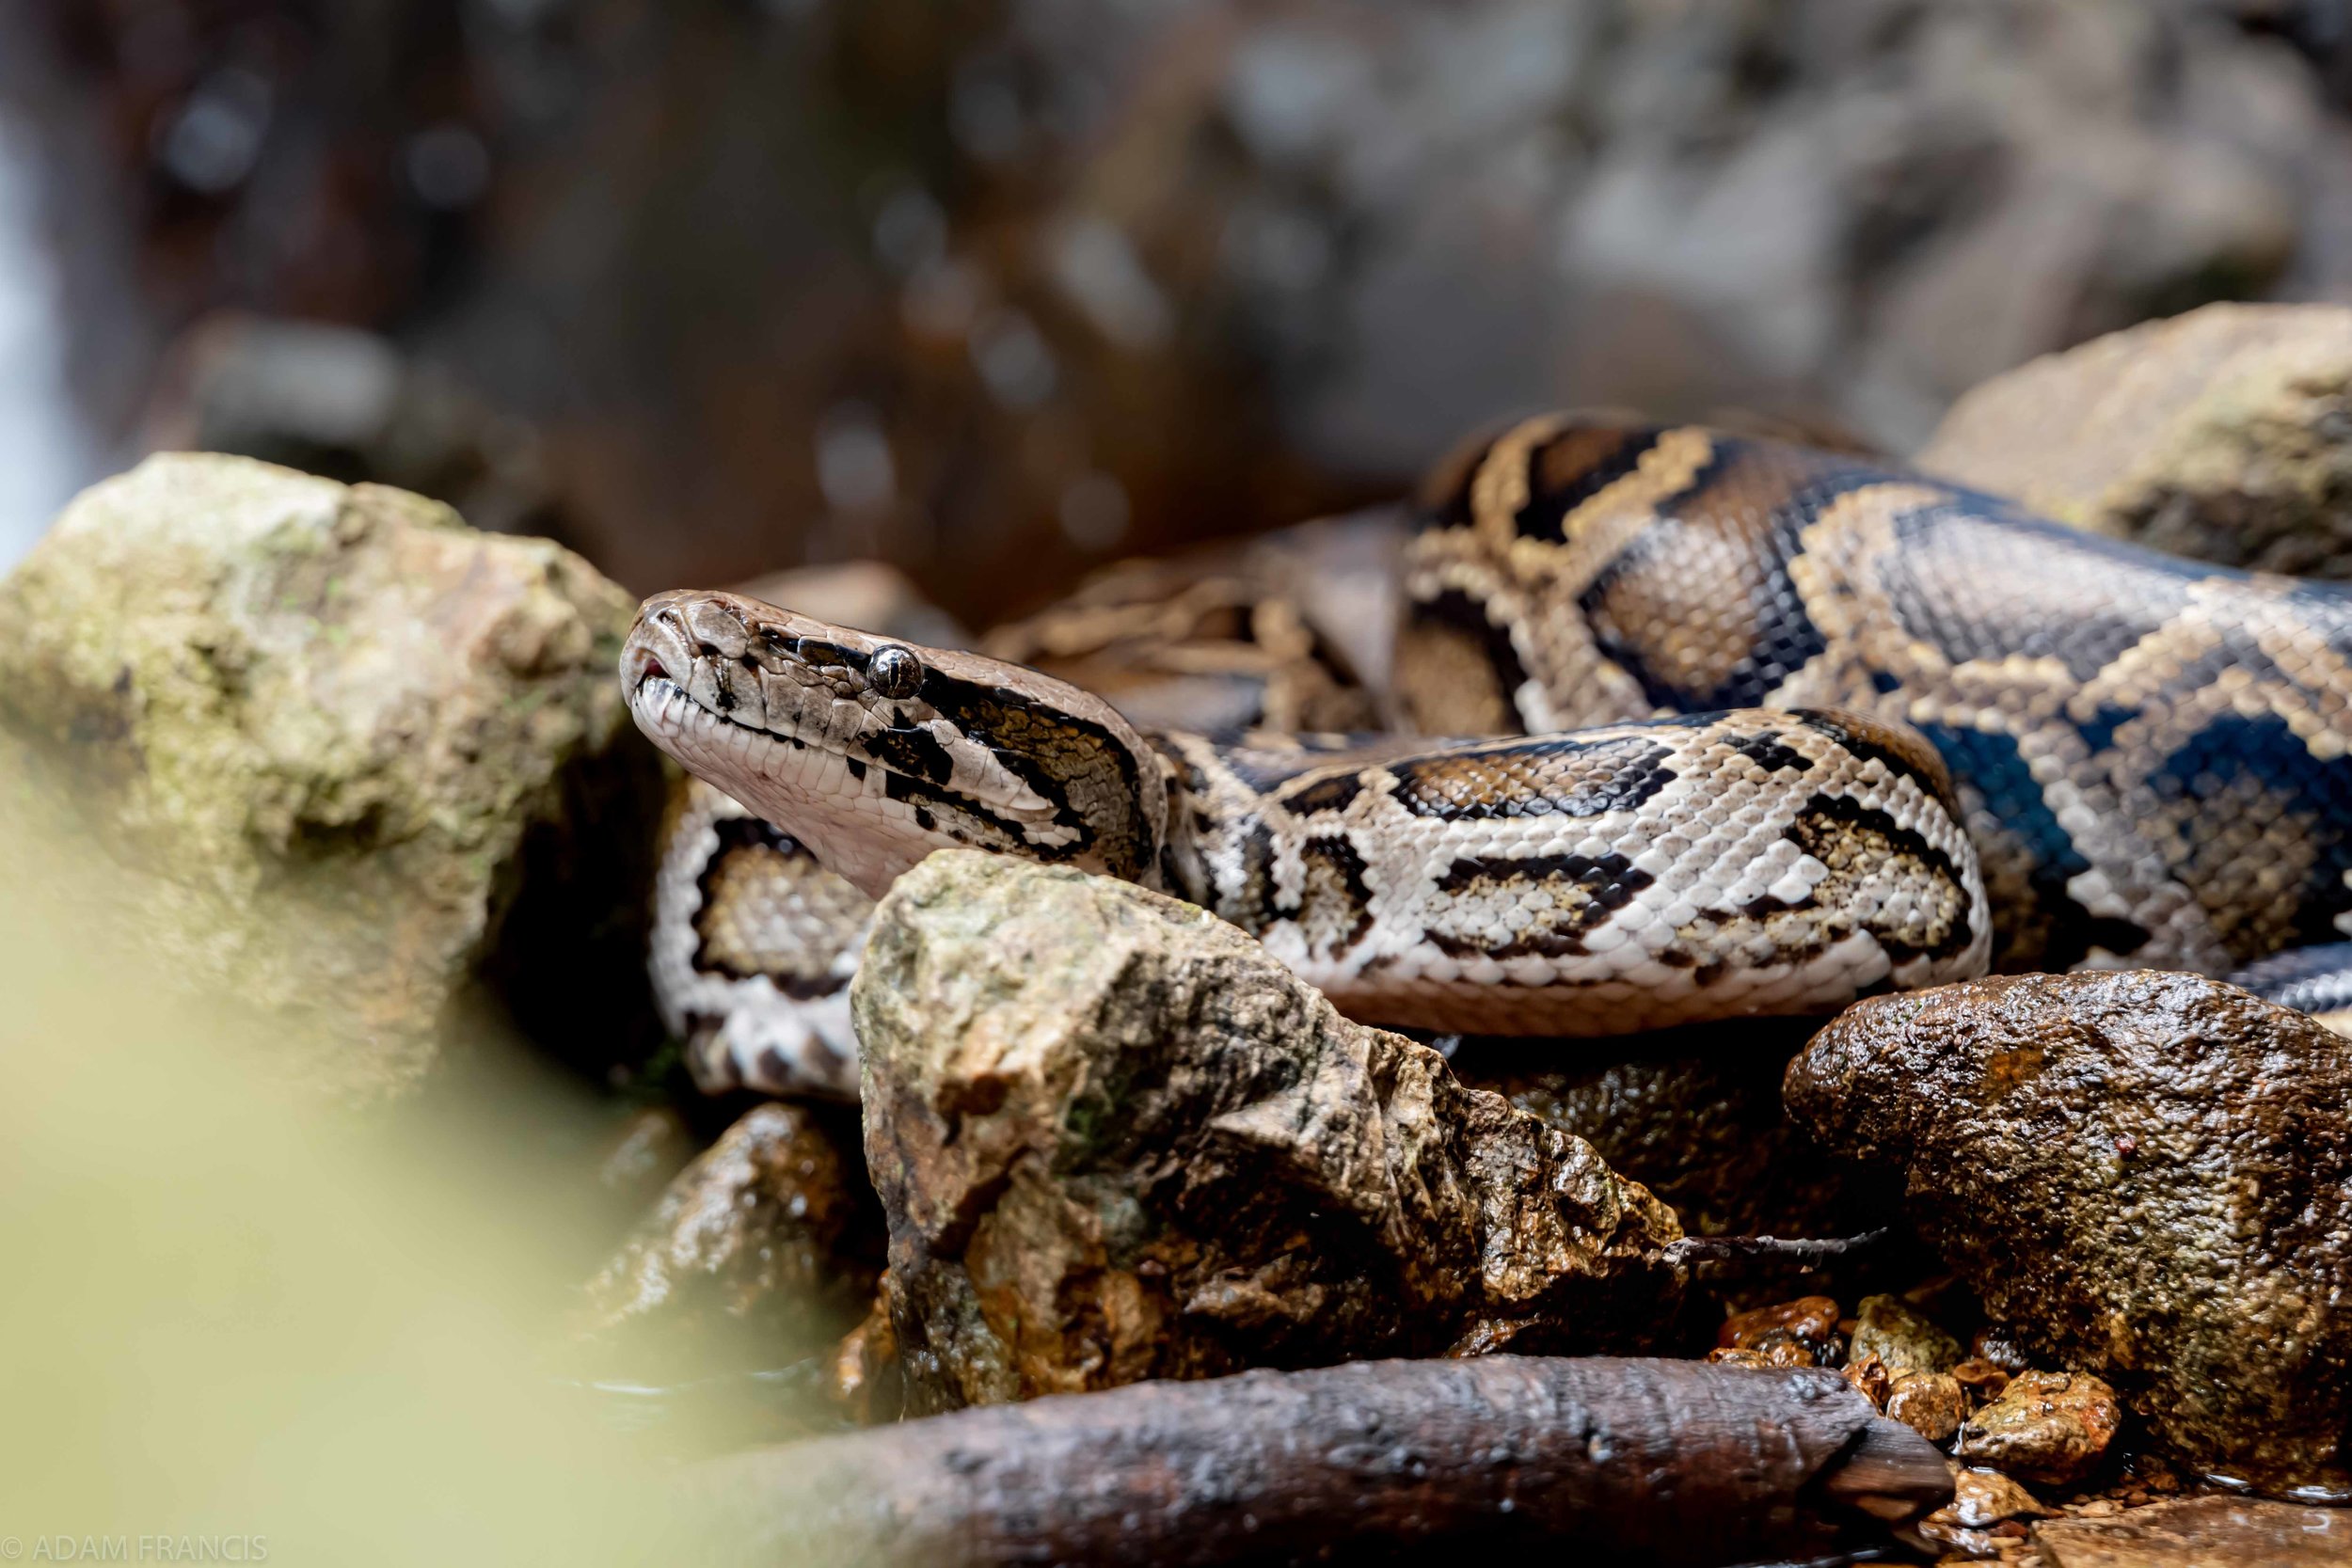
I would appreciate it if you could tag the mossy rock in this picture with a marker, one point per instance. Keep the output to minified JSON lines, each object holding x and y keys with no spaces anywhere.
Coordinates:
{"x":348,"y":753}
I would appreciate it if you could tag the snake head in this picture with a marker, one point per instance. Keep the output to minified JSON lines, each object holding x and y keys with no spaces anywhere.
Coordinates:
{"x":874,"y":752}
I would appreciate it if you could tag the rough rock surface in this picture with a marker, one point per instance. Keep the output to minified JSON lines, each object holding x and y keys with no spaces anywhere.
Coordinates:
{"x":1930,"y":1403}
{"x":2201,"y":1532}
{"x":332,"y":726}
{"x":1116,"y":1140}
{"x":1800,"y":1333}
{"x":1696,"y":1120}
{"x":2225,"y":435}
{"x":764,"y":1231}
{"x":2052,"y":1428}
{"x":1900,"y":1336}
{"x":2145,"y":1174}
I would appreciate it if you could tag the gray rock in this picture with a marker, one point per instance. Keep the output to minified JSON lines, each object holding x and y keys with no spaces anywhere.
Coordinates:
{"x":1116,"y":1140}
{"x":329,"y":731}
{"x":2145,"y":1175}
{"x":2225,"y":435}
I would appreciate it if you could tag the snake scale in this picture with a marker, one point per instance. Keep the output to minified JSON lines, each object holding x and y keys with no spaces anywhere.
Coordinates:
{"x":1737,"y":727}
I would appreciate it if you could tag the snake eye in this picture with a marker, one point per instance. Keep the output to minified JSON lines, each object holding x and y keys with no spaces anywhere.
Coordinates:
{"x":895,"y":672}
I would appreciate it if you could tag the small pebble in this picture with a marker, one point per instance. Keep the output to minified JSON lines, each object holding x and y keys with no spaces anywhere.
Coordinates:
{"x":1869,"y":1375}
{"x":1809,"y":1324}
{"x":1983,"y":1380}
{"x":1930,"y":1403}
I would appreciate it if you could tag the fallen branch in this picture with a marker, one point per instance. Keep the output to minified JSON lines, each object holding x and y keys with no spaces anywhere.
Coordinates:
{"x":1722,"y":1249}
{"x":1660,"y":1462}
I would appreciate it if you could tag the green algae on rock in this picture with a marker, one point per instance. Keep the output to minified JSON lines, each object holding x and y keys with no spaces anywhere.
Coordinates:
{"x":324,"y":729}
{"x":1118,"y":1140}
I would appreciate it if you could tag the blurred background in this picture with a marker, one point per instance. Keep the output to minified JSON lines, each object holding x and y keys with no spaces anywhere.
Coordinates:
{"x":996,"y":290}
{"x":1001,"y":288}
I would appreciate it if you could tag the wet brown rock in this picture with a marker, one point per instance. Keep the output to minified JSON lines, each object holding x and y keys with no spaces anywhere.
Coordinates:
{"x":1930,"y":1403}
{"x":2225,"y":434}
{"x":1902,"y":1336}
{"x":650,"y":1147}
{"x":864,"y":1383}
{"x":2047,"y":1427}
{"x":1116,"y":1140}
{"x":353,"y":754}
{"x":2201,"y":1532}
{"x":2146,"y":1175}
{"x":1866,"y":1373}
{"x":1800,"y":1333}
{"x":1981,"y":1501}
{"x":757,"y":1254}
{"x":1980,"y":1379}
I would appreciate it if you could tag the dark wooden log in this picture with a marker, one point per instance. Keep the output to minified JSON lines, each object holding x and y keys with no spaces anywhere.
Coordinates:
{"x":1635,"y":1461}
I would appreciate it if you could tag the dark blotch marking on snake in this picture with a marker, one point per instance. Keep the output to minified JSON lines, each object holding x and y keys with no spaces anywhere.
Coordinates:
{"x":1830,"y":826}
{"x":1334,"y":886}
{"x":1768,"y":752}
{"x":912,"y":752}
{"x":1619,"y":773}
{"x":1459,"y":613}
{"x":1609,"y":456}
{"x":740,"y":838}
{"x":1991,"y":767}
{"x":1608,"y":882}
{"x":2317,"y":796}
{"x":1332,"y":794}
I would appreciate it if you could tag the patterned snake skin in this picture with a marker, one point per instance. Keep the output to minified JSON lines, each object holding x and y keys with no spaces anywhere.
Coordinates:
{"x":1612,"y":881}
{"x":2151,"y":753}
{"x":2146,"y":755}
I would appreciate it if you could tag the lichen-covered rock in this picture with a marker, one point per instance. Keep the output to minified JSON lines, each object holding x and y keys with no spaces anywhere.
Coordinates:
{"x":1116,"y":1140}
{"x":2201,"y":1532}
{"x":764,"y":1244}
{"x":2145,"y":1175}
{"x":2225,"y":434}
{"x":330,"y":731}
{"x":1900,"y":1336}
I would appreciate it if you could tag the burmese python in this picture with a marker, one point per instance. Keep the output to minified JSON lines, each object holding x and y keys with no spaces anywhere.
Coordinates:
{"x":2147,"y":757}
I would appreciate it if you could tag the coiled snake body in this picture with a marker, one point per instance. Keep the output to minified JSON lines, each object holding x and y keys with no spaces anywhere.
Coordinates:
{"x":1876,"y":683}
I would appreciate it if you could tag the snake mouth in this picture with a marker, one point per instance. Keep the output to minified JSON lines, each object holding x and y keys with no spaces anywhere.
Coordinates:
{"x":647,"y":668}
